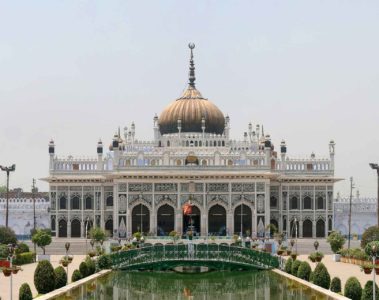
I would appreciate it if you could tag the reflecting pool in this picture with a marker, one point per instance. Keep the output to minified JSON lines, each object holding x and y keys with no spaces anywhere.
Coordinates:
{"x":213,"y":285}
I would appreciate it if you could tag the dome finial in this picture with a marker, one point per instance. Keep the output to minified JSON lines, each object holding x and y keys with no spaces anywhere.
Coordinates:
{"x":192,"y":77}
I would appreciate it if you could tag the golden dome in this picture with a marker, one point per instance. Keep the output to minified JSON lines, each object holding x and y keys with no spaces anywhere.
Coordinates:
{"x":191,"y":111}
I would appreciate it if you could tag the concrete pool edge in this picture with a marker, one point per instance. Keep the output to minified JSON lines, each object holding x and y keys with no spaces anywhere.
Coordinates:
{"x":331,"y":295}
{"x":73,"y":285}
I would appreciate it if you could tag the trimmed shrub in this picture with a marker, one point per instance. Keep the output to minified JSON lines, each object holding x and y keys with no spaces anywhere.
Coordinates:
{"x":336,"y":241}
{"x":288,"y":266}
{"x":367,"y":291}
{"x":76,"y":275}
{"x":304,"y":271}
{"x":353,"y":289}
{"x":311,"y":277}
{"x":91,"y":266}
{"x":335,"y":285}
{"x":42,"y":238}
{"x":83,"y":269}
{"x":44,"y":277}
{"x":295,"y":267}
{"x":24,"y":292}
{"x":61,"y":277}
{"x":321,"y":276}
{"x":24,"y":258}
{"x":369,"y":235}
{"x":104,"y":262}
{"x":7,"y":236}
{"x":22,"y":248}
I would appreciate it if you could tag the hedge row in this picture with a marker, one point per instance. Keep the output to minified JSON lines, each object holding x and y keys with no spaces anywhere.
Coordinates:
{"x":24,"y":258}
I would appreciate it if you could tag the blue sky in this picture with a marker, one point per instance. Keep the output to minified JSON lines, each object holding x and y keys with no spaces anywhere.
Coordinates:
{"x":76,"y":70}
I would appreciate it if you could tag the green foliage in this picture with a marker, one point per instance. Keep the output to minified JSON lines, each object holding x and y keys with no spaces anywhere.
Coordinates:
{"x":91,"y":266}
{"x":295,"y":267}
{"x":24,"y":292}
{"x":3,"y":188}
{"x":97,"y":234}
{"x":137,"y":235}
{"x":311,"y":276}
{"x":353,"y":289}
{"x":76,"y":275}
{"x":7,"y":236}
{"x":304,"y":271}
{"x":4,"y":252}
{"x":44,"y":277}
{"x":24,"y":258}
{"x":368,"y":248}
{"x":336,"y":241}
{"x":272,"y":229}
{"x":367,"y":291}
{"x":61,"y":277}
{"x":104,"y":262}
{"x":369,"y":235}
{"x":321,"y":276}
{"x":335,"y":285}
{"x":42,"y":238}
{"x":83,"y":269}
{"x":288,"y":266}
{"x":22,"y":248}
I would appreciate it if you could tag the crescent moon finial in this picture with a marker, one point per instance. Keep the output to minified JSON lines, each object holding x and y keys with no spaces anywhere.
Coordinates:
{"x":191,"y":46}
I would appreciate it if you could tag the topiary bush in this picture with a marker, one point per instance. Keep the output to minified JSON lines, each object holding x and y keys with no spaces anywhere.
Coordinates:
{"x":353,"y":289}
{"x":61,"y":277}
{"x":335,"y":285}
{"x":83,"y":269}
{"x":91,"y":266}
{"x":304,"y":271}
{"x":44,"y":277}
{"x":288,"y":266}
{"x":295,"y":267}
{"x":321,"y":276}
{"x":311,"y":276}
{"x":7,"y":236}
{"x":104,"y":262}
{"x":369,"y":235}
{"x":24,"y":292}
{"x":76,"y":275}
{"x":367,"y":291}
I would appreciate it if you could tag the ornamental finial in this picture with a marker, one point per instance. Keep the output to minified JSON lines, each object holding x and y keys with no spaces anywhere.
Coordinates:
{"x":192,"y":77}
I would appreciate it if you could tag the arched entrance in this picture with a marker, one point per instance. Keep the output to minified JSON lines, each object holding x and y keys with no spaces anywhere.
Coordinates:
{"x":109,"y":227}
{"x":242,"y":212}
{"x":165,"y":220}
{"x":192,"y":222}
{"x":307,"y":229}
{"x":62,"y":231}
{"x":217,"y":220}
{"x":75,"y":228}
{"x":88,"y":225}
{"x":140,"y":219}
{"x":320,"y":228}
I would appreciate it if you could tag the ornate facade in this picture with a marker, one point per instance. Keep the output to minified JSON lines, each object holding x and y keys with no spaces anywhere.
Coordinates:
{"x":234,"y":185}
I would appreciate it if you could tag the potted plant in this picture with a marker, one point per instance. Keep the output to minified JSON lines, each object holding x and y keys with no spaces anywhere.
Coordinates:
{"x":7,"y":272}
{"x":174,"y":236}
{"x":42,"y":238}
{"x":318,"y":256}
{"x":312,"y":257}
{"x":294,"y":255}
{"x":190,"y":235}
{"x":64,"y":261}
{"x":366,"y":267}
{"x":288,"y":252}
{"x":336,"y":241}
{"x":280,"y":251}
{"x":15,"y":269}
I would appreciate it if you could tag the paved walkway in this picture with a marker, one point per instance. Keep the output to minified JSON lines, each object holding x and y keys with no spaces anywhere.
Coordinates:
{"x":342,"y":270}
{"x":27,"y":275}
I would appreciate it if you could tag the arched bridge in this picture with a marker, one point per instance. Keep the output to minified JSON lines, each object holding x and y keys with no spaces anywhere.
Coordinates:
{"x":213,"y":256}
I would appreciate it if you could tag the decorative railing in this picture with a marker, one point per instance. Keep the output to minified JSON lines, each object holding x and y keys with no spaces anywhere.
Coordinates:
{"x":217,"y":256}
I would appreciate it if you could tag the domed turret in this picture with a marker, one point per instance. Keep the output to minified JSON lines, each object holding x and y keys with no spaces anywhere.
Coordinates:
{"x":193,"y":110}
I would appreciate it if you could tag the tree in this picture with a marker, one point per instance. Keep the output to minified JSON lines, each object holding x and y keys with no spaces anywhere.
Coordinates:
{"x":24,"y":292}
{"x":42,"y":238}
{"x":97,"y":234}
{"x":7,"y":236}
{"x":353,"y":289}
{"x":76,"y":275}
{"x":335,"y":286}
{"x":304,"y":271}
{"x":367,"y":291}
{"x":61,"y":277}
{"x":369,"y":235}
{"x":321,"y":276}
{"x":336,"y":241}
{"x":288,"y":266}
{"x":44,"y":277}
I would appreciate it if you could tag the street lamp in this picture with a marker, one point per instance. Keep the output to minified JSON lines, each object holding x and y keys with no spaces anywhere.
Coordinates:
{"x":374,"y":251}
{"x":8,"y":170}
{"x":376,"y":167}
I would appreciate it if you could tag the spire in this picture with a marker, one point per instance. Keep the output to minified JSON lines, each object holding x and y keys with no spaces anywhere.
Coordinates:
{"x":191,"y":77}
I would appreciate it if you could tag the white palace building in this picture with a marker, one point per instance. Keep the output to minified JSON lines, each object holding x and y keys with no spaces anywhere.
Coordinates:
{"x":235,"y":186}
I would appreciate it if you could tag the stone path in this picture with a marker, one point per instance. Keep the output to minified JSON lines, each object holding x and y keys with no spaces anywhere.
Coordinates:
{"x":27,"y":275}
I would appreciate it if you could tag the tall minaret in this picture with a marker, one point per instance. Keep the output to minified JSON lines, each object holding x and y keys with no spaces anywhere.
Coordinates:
{"x":268,"y":150}
{"x":51,"y":153}
{"x":283,"y":152}
{"x":156,"y":128}
{"x":331,"y":152}
{"x":100,"y":165}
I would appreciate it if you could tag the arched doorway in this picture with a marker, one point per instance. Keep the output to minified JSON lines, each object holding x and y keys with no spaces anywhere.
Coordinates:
{"x":140,"y":219}
{"x":165,"y":220}
{"x":242,"y":212}
{"x":75,"y":228}
{"x":294,"y":228}
{"x":217,"y":220}
{"x":320,"y":228}
{"x":62,"y":231}
{"x":192,"y":222}
{"x":307,"y":228}
{"x":109,"y":227}
{"x":87,"y":226}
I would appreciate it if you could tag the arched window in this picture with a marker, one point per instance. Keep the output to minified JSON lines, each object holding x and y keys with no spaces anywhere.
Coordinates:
{"x":294,"y":203}
{"x":204,"y":162}
{"x":109,"y":201}
{"x":273,"y":202}
{"x":88,"y":202}
{"x":62,"y":203}
{"x":307,"y":203}
{"x":320,"y":203}
{"x":75,"y":202}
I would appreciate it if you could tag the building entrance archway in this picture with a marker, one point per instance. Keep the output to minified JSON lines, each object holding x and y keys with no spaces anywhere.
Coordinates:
{"x":320,"y":228}
{"x":217,"y":220}
{"x":109,"y":227}
{"x":242,"y":213}
{"x":140,"y":219}
{"x":62,"y":230}
{"x":165,"y":220}
{"x":192,"y":222}
{"x":307,"y":229}
{"x":75,"y":228}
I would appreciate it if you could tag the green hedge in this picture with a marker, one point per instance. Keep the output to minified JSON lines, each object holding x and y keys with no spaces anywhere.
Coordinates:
{"x":76,"y":275}
{"x":367,"y":291}
{"x":22,"y":248}
{"x":44,"y":277}
{"x":24,"y":258}
{"x":91,"y":266}
{"x":295,"y":267}
{"x":304,"y":271}
{"x":61,"y":277}
{"x":288,"y":266}
{"x":321,"y":276}
{"x":24,"y":292}
{"x":104,"y":262}
{"x":4,"y":252}
{"x":335,"y":285}
{"x":353,"y":289}
{"x":83,"y":269}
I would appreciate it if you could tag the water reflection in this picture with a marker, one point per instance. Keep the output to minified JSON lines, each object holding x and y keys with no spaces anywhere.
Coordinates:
{"x":214,"y":285}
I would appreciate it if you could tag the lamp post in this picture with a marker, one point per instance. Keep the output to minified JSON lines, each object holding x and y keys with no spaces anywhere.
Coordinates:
{"x":374,"y":251}
{"x":87,"y":221}
{"x":11,"y":249}
{"x":242,"y":197}
{"x":376,"y":167}
{"x":8,"y":170}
